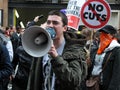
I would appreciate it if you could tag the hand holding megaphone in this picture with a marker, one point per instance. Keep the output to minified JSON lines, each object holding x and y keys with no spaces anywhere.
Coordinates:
{"x":53,"y":52}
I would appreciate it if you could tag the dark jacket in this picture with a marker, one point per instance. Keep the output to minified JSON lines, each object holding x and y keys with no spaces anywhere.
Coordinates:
{"x":6,"y":68}
{"x":16,"y":40}
{"x":67,"y":68}
{"x":111,"y":73}
{"x":31,"y":23}
{"x":24,"y":61}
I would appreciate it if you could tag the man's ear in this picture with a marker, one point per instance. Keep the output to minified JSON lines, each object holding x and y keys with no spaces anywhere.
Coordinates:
{"x":65,"y":28}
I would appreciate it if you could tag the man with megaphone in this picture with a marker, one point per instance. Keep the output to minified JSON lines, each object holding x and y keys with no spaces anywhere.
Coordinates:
{"x":60,"y":67}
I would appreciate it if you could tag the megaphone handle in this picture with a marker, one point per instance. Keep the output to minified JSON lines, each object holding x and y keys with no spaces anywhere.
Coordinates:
{"x":49,"y":56}
{"x":32,"y":70}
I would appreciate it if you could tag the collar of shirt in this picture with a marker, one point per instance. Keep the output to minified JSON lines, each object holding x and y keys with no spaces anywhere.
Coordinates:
{"x":18,"y":34}
{"x":60,"y":49}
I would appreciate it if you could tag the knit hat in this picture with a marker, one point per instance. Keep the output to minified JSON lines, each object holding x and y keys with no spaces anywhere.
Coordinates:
{"x":108,"y":29}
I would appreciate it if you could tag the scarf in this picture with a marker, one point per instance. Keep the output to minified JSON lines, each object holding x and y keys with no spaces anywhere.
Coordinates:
{"x":105,"y":40}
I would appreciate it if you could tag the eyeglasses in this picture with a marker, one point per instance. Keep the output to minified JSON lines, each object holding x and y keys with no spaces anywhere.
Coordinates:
{"x":53,"y":22}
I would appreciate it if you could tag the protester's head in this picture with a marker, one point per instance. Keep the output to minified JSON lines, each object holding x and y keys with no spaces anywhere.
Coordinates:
{"x":108,"y":29}
{"x":107,"y":34}
{"x":18,"y":29}
{"x":60,"y":14}
{"x":58,"y":21}
{"x":86,"y":32}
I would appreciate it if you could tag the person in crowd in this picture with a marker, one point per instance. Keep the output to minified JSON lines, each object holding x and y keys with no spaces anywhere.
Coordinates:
{"x":12,"y":30}
{"x":61,"y":68}
{"x":7,"y":42}
{"x":92,"y":48}
{"x":89,"y":36}
{"x":7,"y":32}
{"x":16,"y":42}
{"x":6,"y":68}
{"x":95,"y":45}
{"x":4,"y":40}
{"x":109,"y":49}
{"x":22,"y":69}
{"x":16,"y":38}
{"x":22,"y":66}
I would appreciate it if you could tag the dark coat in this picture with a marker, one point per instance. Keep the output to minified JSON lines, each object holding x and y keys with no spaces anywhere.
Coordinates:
{"x":24,"y":61}
{"x":111,"y":73}
{"x":16,"y":40}
{"x":6,"y":68}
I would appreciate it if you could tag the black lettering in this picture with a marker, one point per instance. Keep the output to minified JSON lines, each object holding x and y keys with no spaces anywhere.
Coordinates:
{"x":91,"y":7}
{"x":103,"y":17}
{"x":76,"y":7}
{"x":73,"y":12}
{"x":85,"y":15}
{"x":72,"y":2}
{"x":99,"y":8}
{"x":98,"y":16}
{"x":91,"y":16}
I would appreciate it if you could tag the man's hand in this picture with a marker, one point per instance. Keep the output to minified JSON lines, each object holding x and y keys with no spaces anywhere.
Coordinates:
{"x":53,"y":52}
{"x":36,"y":19}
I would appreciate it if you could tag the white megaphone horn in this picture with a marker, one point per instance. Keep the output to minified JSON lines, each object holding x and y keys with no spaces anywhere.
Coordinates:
{"x":37,"y":41}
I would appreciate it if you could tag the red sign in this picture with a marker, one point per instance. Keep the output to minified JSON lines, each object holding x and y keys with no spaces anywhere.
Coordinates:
{"x":73,"y":13}
{"x":95,"y":13}
{"x":73,"y":21}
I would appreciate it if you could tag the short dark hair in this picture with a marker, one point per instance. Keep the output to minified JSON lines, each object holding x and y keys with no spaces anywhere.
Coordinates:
{"x":18,"y":28}
{"x":61,"y":14}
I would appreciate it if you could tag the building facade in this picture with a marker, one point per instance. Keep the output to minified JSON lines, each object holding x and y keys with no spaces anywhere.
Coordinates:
{"x":28,"y":9}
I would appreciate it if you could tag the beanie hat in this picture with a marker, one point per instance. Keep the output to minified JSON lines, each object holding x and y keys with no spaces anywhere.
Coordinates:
{"x":108,"y":29}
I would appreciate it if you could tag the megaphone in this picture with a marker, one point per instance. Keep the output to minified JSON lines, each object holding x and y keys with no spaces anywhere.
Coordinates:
{"x":37,"y":41}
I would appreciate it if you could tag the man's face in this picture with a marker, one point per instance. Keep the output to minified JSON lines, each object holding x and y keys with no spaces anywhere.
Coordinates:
{"x":55,"y":22}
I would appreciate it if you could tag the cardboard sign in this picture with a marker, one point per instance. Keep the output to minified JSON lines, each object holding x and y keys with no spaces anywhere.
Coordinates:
{"x":73,"y":13}
{"x":95,"y":13}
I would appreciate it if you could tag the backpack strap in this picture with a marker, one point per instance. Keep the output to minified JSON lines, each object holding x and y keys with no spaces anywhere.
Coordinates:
{"x":106,"y":63}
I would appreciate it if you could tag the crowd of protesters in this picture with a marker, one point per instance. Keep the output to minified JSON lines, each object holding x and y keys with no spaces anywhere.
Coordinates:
{"x":64,"y":68}
{"x":10,"y":37}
